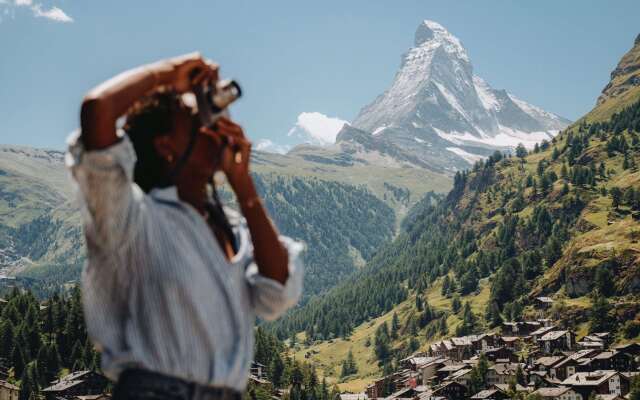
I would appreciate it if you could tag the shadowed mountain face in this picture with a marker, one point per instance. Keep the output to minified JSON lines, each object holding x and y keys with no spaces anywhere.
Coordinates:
{"x":438,"y":110}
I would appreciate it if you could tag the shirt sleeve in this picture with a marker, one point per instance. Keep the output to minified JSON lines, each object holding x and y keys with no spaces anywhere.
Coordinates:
{"x":109,"y":199}
{"x":269,"y":298}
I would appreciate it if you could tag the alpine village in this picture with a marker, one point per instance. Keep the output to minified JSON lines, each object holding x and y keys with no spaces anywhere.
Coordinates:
{"x":520,"y":282}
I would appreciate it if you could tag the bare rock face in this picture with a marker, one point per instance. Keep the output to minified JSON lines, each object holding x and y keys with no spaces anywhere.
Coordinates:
{"x":438,"y":110}
{"x":625,"y":76}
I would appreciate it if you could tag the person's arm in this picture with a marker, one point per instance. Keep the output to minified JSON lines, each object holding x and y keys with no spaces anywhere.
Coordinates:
{"x":104,"y":104}
{"x":271,"y":257}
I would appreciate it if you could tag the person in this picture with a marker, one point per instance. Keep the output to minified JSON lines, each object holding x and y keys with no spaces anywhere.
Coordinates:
{"x":173,"y":281}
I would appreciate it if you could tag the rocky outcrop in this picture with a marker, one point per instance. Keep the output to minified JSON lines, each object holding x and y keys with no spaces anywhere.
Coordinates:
{"x":625,"y":76}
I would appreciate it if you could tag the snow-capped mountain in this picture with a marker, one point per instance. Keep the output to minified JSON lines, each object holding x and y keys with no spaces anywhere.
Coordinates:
{"x":438,"y":110}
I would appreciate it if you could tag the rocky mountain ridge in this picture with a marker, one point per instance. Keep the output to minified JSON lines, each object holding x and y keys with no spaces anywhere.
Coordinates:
{"x":438,"y":110}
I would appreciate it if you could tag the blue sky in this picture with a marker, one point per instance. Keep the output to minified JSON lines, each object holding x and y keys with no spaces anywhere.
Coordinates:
{"x":291,"y":57}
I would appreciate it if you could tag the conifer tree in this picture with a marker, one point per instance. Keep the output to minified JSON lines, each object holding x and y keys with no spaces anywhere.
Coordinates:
{"x":395,"y":326}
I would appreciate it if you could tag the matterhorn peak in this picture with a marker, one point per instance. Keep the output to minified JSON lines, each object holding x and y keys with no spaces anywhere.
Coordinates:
{"x":432,"y":34}
{"x":438,"y":110}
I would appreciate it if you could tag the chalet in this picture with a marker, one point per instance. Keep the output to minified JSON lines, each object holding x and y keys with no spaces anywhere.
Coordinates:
{"x":538,"y":379}
{"x":429,"y":370}
{"x":597,"y":382}
{"x":501,"y":353}
{"x":502,"y":373}
{"x":506,"y":387}
{"x":611,"y":360}
{"x":566,"y":368}
{"x":463,"y":347}
{"x":485,"y":341}
{"x":76,"y":384}
{"x":538,"y":333}
{"x":376,"y":389}
{"x":546,"y":363}
{"x":9,"y":391}
{"x":462,"y":376}
{"x":444,"y":372}
{"x":543,"y":302}
{"x":587,"y":344}
{"x":558,"y":393}
{"x":630,"y":348}
{"x":520,"y":328}
{"x":414,"y":362}
{"x":451,"y":391}
{"x":557,"y":341}
{"x":490,"y":394}
{"x":404,"y":393}
{"x":511,"y":342}
{"x":258,"y":370}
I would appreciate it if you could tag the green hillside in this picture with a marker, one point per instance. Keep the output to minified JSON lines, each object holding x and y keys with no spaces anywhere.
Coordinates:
{"x":562,"y":220}
{"x":343,"y":217}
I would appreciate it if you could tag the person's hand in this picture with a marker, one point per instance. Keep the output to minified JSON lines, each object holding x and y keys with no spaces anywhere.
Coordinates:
{"x":236,"y":150}
{"x":182,"y":73}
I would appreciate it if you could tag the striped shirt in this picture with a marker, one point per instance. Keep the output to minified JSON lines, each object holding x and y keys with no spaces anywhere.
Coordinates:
{"x":158,"y":292}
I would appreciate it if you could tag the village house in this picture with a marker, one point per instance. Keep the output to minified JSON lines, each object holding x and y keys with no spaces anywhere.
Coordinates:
{"x":553,"y":341}
{"x":258,"y":370}
{"x":548,"y":364}
{"x":500,"y":353}
{"x":8,"y":391}
{"x":538,"y":333}
{"x":490,"y":394}
{"x":558,"y":393}
{"x":462,"y":376}
{"x":444,"y":372}
{"x":502,"y":373}
{"x":543,"y":302}
{"x":598,"y":382}
{"x":520,"y":328}
{"x":611,"y":360}
{"x":77,"y":383}
{"x":429,"y":370}
{"x":633,"y":349}
{"x":450,"y":391}
{"x":504,"y":387}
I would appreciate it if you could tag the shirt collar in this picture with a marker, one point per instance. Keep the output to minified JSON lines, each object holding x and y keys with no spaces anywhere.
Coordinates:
{"x":165,"y":194}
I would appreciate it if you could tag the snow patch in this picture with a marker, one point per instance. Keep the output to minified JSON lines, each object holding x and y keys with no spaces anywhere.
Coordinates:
{"x":507,"y":137}
{"x":417,"y":139}
{"x":468,"y":157}
{"x":379,"y":130}
{"x":485,"y":94}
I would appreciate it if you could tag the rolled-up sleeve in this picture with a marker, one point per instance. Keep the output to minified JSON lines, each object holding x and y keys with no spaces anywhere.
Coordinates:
{"x":270,"y":298}
{"x":107,"y":196}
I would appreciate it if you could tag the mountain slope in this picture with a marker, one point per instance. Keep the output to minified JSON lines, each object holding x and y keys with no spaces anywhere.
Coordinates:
{"x":562,"y":221}
{"x":438,"y":110}
{"x":342,"y":211}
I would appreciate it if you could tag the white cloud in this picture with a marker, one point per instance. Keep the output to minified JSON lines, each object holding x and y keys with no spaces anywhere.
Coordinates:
{"x":269,"y":146}
{"x":317,"y":128}
{"x":54,"y":13}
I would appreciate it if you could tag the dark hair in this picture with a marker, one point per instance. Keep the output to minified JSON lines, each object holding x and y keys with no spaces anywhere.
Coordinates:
{"x":150,"y":117}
